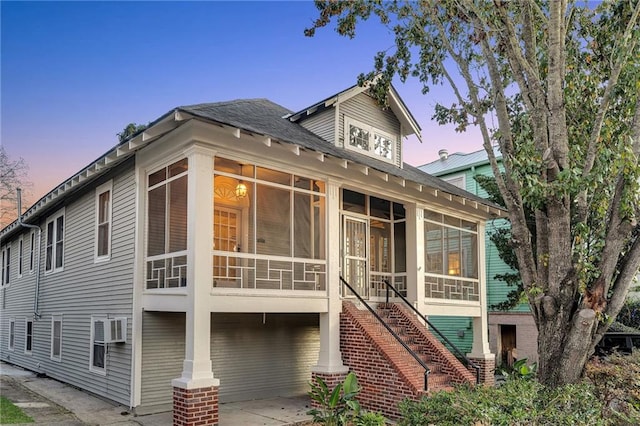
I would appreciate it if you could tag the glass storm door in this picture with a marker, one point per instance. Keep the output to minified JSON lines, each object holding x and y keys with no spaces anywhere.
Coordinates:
{"x":355,"y":255}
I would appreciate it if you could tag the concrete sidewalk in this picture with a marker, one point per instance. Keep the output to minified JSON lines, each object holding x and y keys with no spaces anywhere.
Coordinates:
{"x":50,"y":402}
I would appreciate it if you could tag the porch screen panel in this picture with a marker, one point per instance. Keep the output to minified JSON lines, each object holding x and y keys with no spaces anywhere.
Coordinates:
{"x":157,"y":217}
{"x":308,"y":216}
{"x":433,"y":249}
{"x":469,"y":243}
{"x":178,"y":214}
{"x":451,"y":258}
{"x":167,"y":226}
{"x":273,"y":218}
{"x":400,"y":246}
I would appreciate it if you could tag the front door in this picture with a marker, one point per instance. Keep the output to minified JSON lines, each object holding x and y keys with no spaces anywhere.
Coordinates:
{"x":356,"y":270}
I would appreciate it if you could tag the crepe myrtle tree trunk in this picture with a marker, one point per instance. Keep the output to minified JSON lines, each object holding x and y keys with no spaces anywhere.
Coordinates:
{"x":555,"y":86}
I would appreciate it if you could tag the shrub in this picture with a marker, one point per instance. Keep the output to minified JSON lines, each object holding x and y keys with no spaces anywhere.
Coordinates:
{"x":616,"y":382}
{"x":517,"y":402}
{"x":339,"y":406}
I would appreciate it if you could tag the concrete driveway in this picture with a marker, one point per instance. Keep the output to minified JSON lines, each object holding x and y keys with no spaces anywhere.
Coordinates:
{"x":53,"y":403}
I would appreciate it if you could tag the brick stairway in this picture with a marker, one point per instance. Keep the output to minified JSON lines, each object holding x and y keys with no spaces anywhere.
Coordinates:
{"x":387,"y":373}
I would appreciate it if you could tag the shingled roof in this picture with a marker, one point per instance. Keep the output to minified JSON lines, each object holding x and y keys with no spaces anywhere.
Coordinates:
{"x":270,"y":119}
{"x":258,"y":116}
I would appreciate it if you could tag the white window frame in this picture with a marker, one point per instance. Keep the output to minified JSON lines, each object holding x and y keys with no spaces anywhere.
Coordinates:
{"x":54,"y":320}
{"x":106,"y":187}
{"x":98,"y":370}
{"x":454,"y":180}
{"x":54,"y":245}
{"x":20,"y":256}
{"x":348,"y":121}
{"x":32,"y":252}
{"x":5,"y":278}
{"x":11,"y":344}
{"x":28,"y":350}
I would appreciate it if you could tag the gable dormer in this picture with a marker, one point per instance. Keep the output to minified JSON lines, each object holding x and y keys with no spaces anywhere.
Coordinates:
{"x":353,"y":120}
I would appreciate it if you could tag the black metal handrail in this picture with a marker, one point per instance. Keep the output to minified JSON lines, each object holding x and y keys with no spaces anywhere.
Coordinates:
{"x":461,"y":356}
{"x":427,"y":370}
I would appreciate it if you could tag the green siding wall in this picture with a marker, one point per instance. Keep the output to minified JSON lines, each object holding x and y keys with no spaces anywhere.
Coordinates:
{"x":449,"y":326}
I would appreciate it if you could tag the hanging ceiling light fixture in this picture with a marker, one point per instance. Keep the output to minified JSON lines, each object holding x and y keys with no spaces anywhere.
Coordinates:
{"x":241,"y":190}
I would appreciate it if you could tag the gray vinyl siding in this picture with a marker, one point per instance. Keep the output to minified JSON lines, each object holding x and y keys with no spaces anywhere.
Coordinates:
{"x":365,"y":109}
{"x":82,"y":289}
{"x":163,"y":350}
{"x":251,"y":358}
{"x":322,"y":124}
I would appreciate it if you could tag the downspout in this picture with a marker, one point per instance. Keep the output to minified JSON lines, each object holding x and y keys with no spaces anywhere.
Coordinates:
{"x":36,"y":312}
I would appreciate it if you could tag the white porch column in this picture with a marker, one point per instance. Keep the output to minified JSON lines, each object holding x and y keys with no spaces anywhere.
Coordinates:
{"x":196,"y":370}
{"x":480,"y":348}
{"x":415,"y":255}
{"x":330,"y":357}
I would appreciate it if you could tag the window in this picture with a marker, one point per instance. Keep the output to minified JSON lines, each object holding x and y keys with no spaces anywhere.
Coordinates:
{"x":28,"y":338}
{"x":167,"y":226}
{"x":6,"y":265}
{"x":167,"y":209}
{"x":56,"y":338}
{"x":279,"y":217}
{"x":458,"y":181}
{"x":54,"y":260}
{"x":98,"y":346}
{"x":369,"y":140}
{"x":103,"y":222}
{"x":20,"y":256}
{"x":12,"y":334}
{"x":451,"y":257}
{"x":32,"y":251}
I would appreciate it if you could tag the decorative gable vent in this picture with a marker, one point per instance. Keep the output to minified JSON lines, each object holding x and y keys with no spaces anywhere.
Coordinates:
{"x":114,"y":330}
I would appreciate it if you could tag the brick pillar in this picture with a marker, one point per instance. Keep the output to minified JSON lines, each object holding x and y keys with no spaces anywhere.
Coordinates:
{"x":195,"y":406}
{"x":487,"y":369}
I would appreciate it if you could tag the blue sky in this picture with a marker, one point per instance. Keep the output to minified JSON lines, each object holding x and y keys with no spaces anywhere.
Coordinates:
{"x":75,"y":73}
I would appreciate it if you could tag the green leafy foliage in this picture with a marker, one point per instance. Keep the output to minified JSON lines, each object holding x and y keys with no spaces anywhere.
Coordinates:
{"x":130,"y":130}
{"x":521,"y":370}
{"x":370,"y":418}
{"x":337,"y":406}
{"x":517,"y":402}
{"x":556,"y":85}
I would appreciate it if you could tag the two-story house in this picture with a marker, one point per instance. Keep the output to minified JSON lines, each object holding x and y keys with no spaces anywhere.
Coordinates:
{"x":512,"y":333}
{"x":200,"y":261}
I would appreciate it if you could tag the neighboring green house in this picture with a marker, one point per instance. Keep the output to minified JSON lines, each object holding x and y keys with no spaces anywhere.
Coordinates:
{"x":512,"y":334}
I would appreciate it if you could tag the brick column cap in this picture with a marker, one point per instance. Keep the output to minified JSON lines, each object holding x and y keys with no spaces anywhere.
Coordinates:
{"x":488,"y":356}
{"x":185,"y":383}
{"x":321,"y":369}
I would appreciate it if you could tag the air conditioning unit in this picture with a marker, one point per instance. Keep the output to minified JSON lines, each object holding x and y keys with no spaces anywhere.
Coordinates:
{"x":115,"y":330}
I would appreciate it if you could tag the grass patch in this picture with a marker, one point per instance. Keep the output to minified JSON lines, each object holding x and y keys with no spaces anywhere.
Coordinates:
{"x":10,"y":414}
